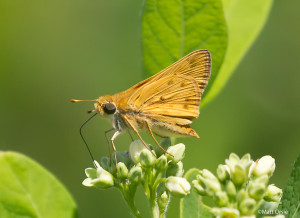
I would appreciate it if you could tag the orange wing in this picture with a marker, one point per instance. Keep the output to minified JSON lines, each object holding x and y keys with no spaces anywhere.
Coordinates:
{"x":171,"y":96}
{"x":194,"y":69}
{"x":196,"y":64}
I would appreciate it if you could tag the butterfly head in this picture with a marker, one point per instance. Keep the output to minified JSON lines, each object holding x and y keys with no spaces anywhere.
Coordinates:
{"x":105,"y":106}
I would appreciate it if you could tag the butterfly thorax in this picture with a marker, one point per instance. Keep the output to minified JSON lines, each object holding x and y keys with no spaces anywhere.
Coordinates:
{"x":113,"y":108}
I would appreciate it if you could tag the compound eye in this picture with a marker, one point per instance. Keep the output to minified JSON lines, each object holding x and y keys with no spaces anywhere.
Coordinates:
{"x":109,"y":108}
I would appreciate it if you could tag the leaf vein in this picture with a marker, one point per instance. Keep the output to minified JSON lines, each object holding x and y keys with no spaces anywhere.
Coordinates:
{"x":204,"y":41}
{"x":160,"y":42}
{"x":25,"y":191}
{"x":197,"y":12}
{"x":164,"y":20}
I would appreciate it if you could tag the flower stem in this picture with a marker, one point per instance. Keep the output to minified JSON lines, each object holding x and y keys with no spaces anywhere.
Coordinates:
{"x":155,"y":210}
{"x":134,"y":210}
{"x":129,"y":198}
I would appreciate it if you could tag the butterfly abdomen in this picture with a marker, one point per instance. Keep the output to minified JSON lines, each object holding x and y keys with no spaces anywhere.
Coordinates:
{"x":172,"y":130}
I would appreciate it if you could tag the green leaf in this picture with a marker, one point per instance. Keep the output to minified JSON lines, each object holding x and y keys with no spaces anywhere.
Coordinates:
{"x":245,"y":20}
{"x":291,"y":195}
{"x":172,"y":29}
{"x":29,"y":190}
{"x":191,"y":205}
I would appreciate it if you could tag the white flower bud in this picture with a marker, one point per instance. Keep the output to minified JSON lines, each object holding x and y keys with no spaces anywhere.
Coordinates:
{"x":273,"y":193}
{"x":222,"y":173}
{"x":230,"y":189}
{"x":247,"y":207}
{"x":164,"y":196}
{"x":163,"y":200}
{"x":161,"y":163}
{"x":180,"y":169}
{"x":262,"y":179}
{"x":246,"y":162}
{"x":146,"y":158}
{"x":135,"y":174}
{"x":222,"y":198}
{"x":135,"y":149}
{"x":99,"y":178}
{"x":198,"y":187}
{"x":208,"y":175}
{"x":253,"y":164}
{"x":87,"y":182}
{"x":178,"y":186}
{"x":241,"y":195}
{"x":225,"y":212}
{"x":105,"y":179}
{"x":177,"y":151}
{"x":264,"y":166}
{"x":212,"y":187}
{"x":122,"y":170}
{"x":238,"y":174}
{"x":209,"y":182}
{"x":232,"y":160}
{"x":246,"y":159}
{"x":256,"y":190}
{"x":91,"y":173}
{"x":239,"y":168}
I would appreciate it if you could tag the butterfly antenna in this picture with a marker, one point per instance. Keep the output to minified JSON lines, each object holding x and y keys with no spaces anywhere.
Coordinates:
{"x":76,"y":100}
{"x":80,"y":131}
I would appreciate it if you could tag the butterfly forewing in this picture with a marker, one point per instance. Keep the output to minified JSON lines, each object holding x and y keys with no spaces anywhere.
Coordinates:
{"x":196,"y":64}
{"x":173,"y":95}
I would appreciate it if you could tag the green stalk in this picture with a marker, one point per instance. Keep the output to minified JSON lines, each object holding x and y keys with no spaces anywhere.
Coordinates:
{"x":129,"y":199}
{"x":155,"y":210}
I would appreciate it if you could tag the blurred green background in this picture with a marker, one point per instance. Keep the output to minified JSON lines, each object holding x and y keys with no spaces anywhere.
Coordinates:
{"x":52,"y":51}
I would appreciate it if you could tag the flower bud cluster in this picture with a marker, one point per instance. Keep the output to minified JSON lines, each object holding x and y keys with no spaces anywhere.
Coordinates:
{"x":240,"y":186}
{"x":167,"y":169}
{"x":150,"y":168}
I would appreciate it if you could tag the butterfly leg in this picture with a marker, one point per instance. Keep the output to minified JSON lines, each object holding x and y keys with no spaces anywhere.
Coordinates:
{"x":151,"y":133}
{"x":134,"y":129}
{"x":105,"y":133}
{"x":113,"y":145}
